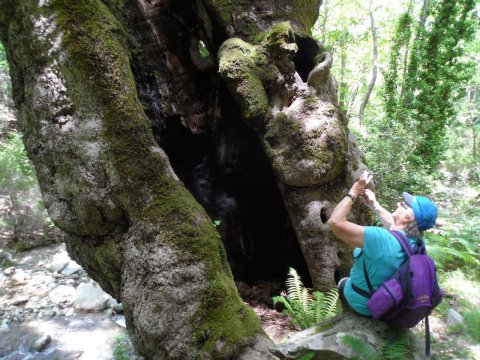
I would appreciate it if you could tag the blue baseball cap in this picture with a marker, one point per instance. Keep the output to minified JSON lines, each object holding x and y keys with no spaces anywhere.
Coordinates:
{"x":424,"y":210}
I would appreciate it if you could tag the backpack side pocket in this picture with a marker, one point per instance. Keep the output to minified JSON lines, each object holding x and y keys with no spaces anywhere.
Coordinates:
{"x":388,"y":296}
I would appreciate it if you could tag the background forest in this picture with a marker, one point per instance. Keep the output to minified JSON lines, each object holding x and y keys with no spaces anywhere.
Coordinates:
{"x":408,"y":76}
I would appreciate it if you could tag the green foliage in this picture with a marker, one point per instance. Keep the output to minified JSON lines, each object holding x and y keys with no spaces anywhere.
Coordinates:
{"x":15,"y":167}
{"x":19,"y":185}
{"x":423,"y":81}
{"x":456,"y":245}
{"x":308,"y":356}
{"x":433,"y":76}
{"x":202,"y":49}
{"x":363,"y":349}
{"x":396,"y":346}
{"x":23,"y":211}
{"x":122,"y":348}
{"x":451,"y":252}
{"x":304,"y":308}
{"x":5,"y":83}
{"x":472,"y":319}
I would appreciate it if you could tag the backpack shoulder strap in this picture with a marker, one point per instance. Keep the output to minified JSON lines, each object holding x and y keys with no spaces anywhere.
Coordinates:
{"x":403,"y":240}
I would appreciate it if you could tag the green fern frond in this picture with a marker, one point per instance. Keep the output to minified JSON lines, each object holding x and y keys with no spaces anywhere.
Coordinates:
{"x":324,"y":306}
{"x":331,"y":307}
{"x":315,"y":308}
{"x":397,"y":345}
{"x":364,"y":350}
{"x":294,"y":284}
{"x":304,"y":308}
{"x":444,"y":255}
{"x":295,"y":288}
{"x":281,"y":300}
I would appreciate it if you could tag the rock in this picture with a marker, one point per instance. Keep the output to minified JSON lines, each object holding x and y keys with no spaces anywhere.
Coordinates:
{"x":18,"y":317}
{"x":61,"y":294}
{"x":324,"y":339}
{"x":259,"y":350}
{"x":40,"y":278}
{"x":20,"y":276}
{"x":69,"y":312}
{"x":89,"y":297}
{"x":4,"y":328}
{"x":9,"y":271}
{"x":20,"y":299}
{"x":454,"y":318}
{"x":76,"y":323}
{"x":120,"y":321}
{"x":5,"y":258}
{"x":108,"y":312}
{"x":59,"y":355}
{"x":59,"y":262}
{"x":49,"y":313}
{"x":71,"y":268}
{"x":38,"y":343}
{"x":118,"y":308}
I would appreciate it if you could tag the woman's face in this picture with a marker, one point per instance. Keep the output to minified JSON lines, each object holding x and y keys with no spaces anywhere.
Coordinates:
{"x":402,"y":214}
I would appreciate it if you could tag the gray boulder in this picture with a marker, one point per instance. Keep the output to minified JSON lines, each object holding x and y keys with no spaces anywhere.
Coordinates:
{"x":454,"y":318}
{"x":325,"y":338}
{"x":59,"y":261}
{"x":71,"y":268}
{"x":89,"y":297}
{"x":61,"y":294}
{"x":38,"y":343}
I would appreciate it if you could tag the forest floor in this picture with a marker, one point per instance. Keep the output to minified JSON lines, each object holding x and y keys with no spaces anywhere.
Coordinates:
{"x":448,"y":341}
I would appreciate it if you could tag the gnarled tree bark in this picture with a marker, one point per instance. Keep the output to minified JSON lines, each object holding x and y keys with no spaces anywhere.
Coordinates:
{"x":140,"y":144}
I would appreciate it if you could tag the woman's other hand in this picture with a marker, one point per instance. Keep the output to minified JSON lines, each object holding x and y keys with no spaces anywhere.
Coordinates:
{"x":369,"y":198}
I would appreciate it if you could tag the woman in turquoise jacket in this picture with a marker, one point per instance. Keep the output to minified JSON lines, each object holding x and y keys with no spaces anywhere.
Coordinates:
{"x":375,"y":246}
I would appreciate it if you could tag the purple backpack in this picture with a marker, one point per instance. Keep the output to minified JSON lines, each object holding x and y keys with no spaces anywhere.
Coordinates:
{"x":412,"y":292}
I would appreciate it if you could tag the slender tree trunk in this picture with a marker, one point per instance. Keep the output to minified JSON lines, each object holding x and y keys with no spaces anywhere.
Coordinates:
{"x":424,"y":13}
{"x":354,"y":90}
{"x":472,"y":122}
{"x":474,"y":145}
{"x":373,"y":79}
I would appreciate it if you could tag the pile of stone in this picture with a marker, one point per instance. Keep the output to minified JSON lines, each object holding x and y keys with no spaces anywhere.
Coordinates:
{"x":42,"y":285}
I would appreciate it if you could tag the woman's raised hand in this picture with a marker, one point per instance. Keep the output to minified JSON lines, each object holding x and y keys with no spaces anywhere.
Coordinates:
{"x":360,"y":185}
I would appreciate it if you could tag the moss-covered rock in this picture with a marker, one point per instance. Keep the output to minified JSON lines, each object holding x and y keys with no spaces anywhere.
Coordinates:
{"x":247,"y":18}
{"x":241,"y":68}
{"x":305,"y":149}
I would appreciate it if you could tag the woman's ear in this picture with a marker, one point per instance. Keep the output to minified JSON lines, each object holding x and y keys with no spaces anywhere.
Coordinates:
{"x":409,"y":217}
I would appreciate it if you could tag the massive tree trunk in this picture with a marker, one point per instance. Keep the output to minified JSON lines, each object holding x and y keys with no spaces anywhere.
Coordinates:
{"x":141,"y":141}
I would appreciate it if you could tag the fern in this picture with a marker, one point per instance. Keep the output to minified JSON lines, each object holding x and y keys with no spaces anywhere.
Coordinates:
{"x":324,"y":306}
{"x":296,"y":290}
{"x":453,"y":250}
{"x":473,"y":324}
{"x":364,"y":350}
{"x":397,"y":347}
{"x":304,"y":308}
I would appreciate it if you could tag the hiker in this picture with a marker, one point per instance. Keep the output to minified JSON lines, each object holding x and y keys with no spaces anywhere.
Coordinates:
{"x":375,"y":246}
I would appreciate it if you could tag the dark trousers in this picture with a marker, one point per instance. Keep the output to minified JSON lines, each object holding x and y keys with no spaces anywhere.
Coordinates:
{"x":343,"y":300}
